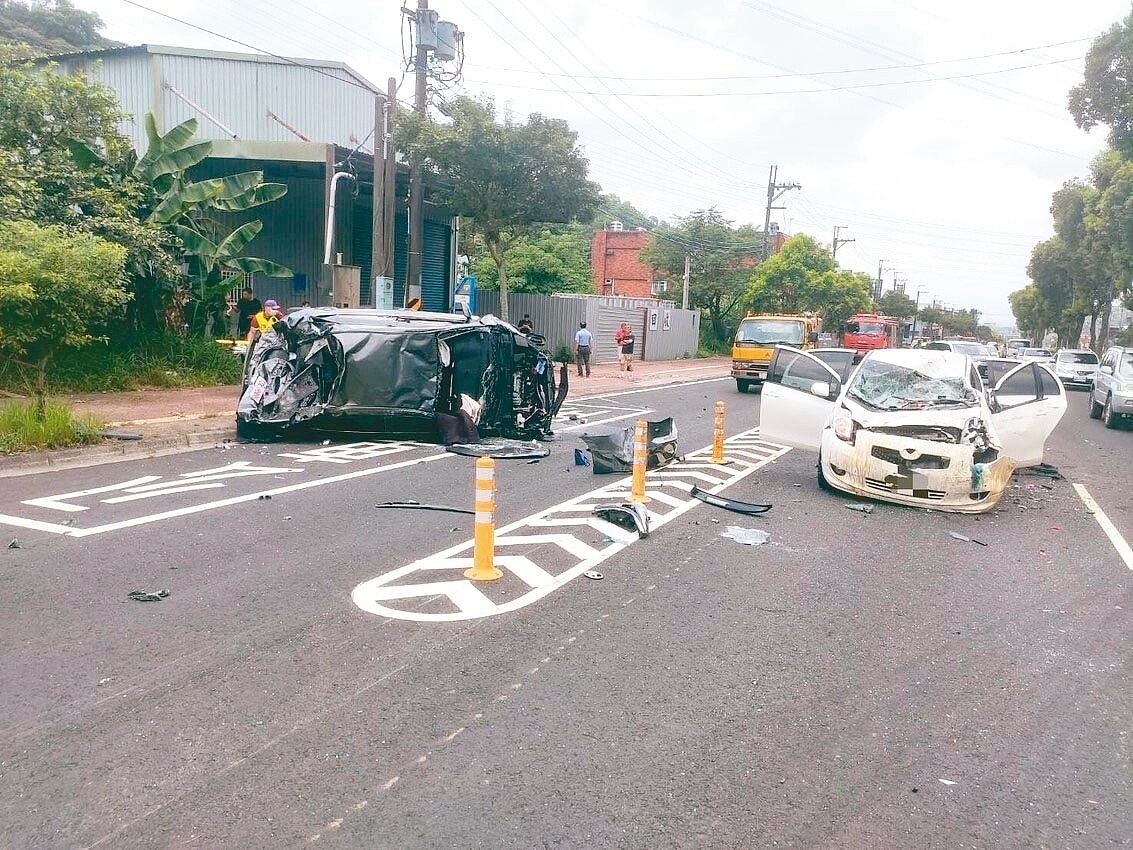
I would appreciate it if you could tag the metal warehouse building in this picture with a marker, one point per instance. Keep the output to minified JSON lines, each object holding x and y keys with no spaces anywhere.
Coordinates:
{"x":300,"y":122}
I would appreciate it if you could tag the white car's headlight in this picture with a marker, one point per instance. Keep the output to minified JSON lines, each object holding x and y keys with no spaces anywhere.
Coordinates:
{"x":844,"y":425}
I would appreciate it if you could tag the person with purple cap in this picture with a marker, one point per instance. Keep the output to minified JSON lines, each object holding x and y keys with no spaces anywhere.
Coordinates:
{"x":268,"y":316}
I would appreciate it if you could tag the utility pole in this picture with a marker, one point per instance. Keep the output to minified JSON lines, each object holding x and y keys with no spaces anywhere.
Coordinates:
{"x":877,"y":286}
{"x":774,"y":192}
{"x":416,"y":201}
{"x":837,"y":242}
{"x":684,"y":295}
{"x":385,"y":182}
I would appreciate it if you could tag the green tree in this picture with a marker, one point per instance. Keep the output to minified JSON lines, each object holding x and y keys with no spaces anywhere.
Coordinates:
{"x":57,"y":291}
{"x":1105,"y":95}
{"x":1030,"y":311}
{"x":802,"y":277}
{"x":896,"y":304}
{"x":720,"y":260}
{"x":552,"y":260}
{"x":66,"y":164}
{"x":51,"y":26}
{"x":505,"y":177}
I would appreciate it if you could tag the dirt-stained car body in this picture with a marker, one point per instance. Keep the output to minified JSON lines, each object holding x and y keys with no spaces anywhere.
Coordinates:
{"x":912,"y":426}
{"x":398,"y":373}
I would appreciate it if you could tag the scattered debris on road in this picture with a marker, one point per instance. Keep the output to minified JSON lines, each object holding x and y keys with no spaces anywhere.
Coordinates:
{"x":417,"y":506}
{"x":1044,"y":470}
{"x":580,"y":458}
{"x":147,"y":596}
{"x":628,"y":515}
{"x":946,"y":782}
{"x":734,"y":505}
{"x":15,"y":544}
{"x":594,"y":574}
{"x":746,"y":536}
{"x":264,"y":496}
{"x":958,"y":536}
{"x":501,"y":449}
{"x":612,"y":448}
{"x":862,"y":509}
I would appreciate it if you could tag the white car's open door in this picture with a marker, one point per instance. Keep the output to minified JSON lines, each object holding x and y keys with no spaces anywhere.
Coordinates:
{"x":792,"y":410}
{"x":1029,"y":402}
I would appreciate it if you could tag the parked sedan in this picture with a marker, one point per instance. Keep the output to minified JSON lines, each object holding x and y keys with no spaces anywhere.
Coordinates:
{"x":914,"y":427}
{"x":1038,"y":355}
{"x":1111,"y":396}
{"x":1076,"y":366}
{"x":975,"y":350}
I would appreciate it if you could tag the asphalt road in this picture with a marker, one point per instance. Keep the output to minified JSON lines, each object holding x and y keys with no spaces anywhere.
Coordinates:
{"x":862,"y":680}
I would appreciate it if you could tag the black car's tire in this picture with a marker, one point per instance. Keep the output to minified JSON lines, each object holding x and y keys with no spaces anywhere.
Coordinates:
{"x":1095,"y":408}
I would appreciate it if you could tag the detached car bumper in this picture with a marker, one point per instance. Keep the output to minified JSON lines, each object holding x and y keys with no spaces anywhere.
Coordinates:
{"x":921,"y":473}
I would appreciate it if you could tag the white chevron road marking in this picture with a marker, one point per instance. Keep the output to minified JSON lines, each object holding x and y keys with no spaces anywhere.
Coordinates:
{"x":583,"y":538}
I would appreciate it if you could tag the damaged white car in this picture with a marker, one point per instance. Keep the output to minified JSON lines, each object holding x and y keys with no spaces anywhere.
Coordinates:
{"x":912,"y":426}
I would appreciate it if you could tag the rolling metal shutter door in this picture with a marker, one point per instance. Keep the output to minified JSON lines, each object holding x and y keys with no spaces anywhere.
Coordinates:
{"x":362,"y":252}
{"x":436,"y":252}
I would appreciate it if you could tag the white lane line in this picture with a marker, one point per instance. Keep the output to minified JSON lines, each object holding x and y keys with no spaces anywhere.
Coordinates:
{"x":655,"y":387}
{"x":1119,"y":542}
{"x":235,"y":500}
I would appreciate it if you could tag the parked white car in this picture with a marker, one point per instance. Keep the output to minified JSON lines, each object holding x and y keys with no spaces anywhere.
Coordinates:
{"x":912,"y":426}
{"x":1076,"y":366}
{"x":1038,"y":355}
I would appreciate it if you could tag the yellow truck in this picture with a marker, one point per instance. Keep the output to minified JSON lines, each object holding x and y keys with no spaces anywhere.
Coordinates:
{"x":757,"y":337}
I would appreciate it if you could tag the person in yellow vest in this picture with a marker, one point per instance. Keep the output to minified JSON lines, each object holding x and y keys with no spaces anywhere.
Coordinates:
{"x":263,"y":320}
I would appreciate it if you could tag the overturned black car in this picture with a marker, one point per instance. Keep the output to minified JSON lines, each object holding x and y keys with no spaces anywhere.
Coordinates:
{"x":398,"y":373}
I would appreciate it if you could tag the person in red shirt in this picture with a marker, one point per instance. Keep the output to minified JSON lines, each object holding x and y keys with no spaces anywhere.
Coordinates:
{"x":624,"y":339}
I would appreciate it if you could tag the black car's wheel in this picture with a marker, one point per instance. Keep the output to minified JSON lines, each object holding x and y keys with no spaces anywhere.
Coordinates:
{"x":742,"y":385}
{"x":1095,"y":408}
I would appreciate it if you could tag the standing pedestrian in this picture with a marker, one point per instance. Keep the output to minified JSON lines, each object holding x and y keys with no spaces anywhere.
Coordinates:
{"x":526,"y":326}
{"x":268,"y":316}
{"x":624,"y":339}
{"x":582,"y":341}
{"x":246,"y":308}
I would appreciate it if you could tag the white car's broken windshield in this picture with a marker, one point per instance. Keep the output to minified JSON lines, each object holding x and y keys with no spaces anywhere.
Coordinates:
{"x":889,"y":386}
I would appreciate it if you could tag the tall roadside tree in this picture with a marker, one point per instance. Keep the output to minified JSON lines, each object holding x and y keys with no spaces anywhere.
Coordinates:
{"x":896,"y":304}
{"x":1105,"y":95}
{"x":720,"y":261}
{"x":802,"y":277}
{"x":507,"y":178}
{"x":551,"y":260}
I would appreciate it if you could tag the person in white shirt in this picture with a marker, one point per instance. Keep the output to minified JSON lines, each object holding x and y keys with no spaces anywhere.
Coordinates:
{"x":582,"y":342}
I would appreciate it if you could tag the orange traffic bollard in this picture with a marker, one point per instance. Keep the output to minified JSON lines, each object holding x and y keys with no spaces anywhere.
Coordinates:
{"x":718,"y":434}
{"x":640,"y":459}
{"x":484,"y":528}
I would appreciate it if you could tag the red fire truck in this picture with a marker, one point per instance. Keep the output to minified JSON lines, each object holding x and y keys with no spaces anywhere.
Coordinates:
{"x":867,"y":331}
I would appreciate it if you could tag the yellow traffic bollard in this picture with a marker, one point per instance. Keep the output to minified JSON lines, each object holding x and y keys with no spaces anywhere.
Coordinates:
{"x":484,"y":528}
{"x":718,"y":434}
{"x":640,"y":459}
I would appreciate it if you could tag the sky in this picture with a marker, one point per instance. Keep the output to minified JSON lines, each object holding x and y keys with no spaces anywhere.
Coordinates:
{"x":932,"y":133}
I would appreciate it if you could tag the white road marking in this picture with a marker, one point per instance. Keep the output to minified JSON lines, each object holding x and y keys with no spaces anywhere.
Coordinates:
{"x":655,"y":387}
{"x":377,"y":595}
{"x":57,"y":503}
{"x":1119,"y":542}
{"x":220,"y":503}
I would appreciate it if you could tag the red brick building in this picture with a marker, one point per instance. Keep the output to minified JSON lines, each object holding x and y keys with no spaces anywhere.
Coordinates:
{"x":614,"y":265}
{"x":615,"y":268}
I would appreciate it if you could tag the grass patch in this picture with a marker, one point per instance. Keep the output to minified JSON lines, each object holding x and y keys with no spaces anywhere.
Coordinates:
{"x":20,"y":431}
{"x":132,"y":362}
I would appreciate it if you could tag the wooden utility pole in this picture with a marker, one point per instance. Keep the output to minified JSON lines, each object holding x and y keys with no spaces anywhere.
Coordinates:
{"x":837,"y":242}
{"x":416,"y":190}
{"x":774,"y":192}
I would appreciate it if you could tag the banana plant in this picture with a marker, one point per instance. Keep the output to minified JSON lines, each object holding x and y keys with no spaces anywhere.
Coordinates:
{"x":190,"y":209}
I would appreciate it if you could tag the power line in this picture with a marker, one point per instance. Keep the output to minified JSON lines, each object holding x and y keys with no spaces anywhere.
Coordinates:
{"x":827,"y":89}
{"x":315,"y":68}
{"x":793,"y":74}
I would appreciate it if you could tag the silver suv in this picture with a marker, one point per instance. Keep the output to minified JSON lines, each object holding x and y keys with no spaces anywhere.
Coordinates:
{"x":1111,"y":397}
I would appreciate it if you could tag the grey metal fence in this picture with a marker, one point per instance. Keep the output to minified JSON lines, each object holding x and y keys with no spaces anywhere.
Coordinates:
{"x":663,"y":331}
